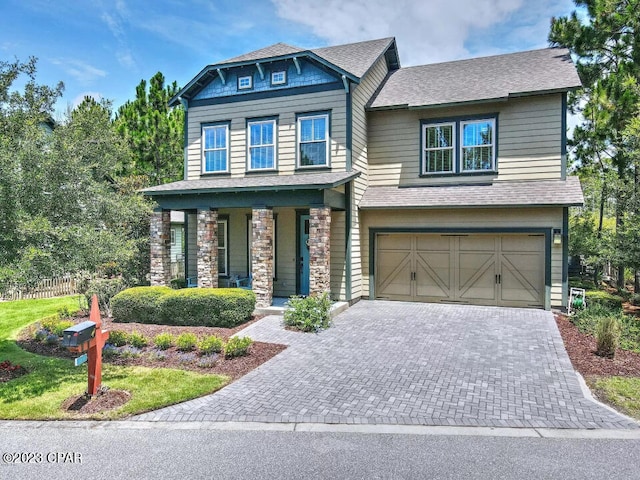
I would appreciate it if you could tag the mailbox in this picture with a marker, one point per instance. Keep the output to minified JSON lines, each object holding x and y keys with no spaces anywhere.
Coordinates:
{"x":78,"y":334}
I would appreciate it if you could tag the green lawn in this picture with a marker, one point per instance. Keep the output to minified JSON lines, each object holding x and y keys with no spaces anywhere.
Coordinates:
{"x":50,"y":381}
{"x":622,"y":393}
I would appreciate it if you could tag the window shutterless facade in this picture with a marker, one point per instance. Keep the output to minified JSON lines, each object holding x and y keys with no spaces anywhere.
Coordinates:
{"x":215,"y":148}
{"x":261,"y":141}
{"x":279,"y":78}
{"x":476,"y":145}
{"x":313,"y":140}
{"x":458,"y":146}
{"x":245,"y":82}
{"x":439,"y":148}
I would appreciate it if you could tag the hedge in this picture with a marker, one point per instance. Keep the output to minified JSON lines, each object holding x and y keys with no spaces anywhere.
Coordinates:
{"x":210,"y":307}
{"x":603,"y":298}
{"x":138,"y":304}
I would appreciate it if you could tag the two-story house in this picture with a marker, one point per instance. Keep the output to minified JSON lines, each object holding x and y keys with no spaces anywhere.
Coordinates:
{"x":333,"y":169}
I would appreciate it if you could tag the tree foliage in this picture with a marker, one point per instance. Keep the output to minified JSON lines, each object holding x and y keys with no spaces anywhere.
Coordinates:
{"x":63,"y":209}
{"x":606,"y":44}
{"x":154,"y":132}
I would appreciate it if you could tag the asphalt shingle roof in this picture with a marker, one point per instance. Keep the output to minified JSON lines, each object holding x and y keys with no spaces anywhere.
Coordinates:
{"x":355,"y":58}
{"x":252,"y":183}
{"x":499,"y":194}
{"x":275,"y":50}
{"x":486,"y":78}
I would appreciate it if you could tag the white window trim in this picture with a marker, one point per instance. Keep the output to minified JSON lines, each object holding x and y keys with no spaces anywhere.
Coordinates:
{"x":284,"y":77}
{"x":274,"y":145}
{"x":173,"y":235}
{"x":225,"y":248}
{"x":203,"y":166}
{"x":327,"y":139}
{"x":425,"y":149}
{"x":247,"y":87}
{"x":492,"y":121}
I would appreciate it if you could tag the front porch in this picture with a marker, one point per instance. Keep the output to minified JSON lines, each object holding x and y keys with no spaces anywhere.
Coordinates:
{"x":294,"y":245}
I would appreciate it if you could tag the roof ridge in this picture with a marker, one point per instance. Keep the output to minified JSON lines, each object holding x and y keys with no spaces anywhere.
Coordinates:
{"x":473,"y":59}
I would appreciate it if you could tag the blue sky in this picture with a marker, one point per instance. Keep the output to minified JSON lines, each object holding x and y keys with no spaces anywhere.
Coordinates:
{"x":104,"y":48}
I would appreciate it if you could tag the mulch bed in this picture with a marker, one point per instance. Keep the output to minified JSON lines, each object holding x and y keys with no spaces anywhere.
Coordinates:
{"x":9,"y":371}
{"x":105,"y":400}
{"x":582,"y":352}
{"x":259,"y":352}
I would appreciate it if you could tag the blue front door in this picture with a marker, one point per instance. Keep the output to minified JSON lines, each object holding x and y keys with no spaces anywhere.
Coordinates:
{"x":303,"y":255}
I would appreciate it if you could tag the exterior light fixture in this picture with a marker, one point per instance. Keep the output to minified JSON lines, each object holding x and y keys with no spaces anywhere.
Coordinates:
{"x":557,"y":236}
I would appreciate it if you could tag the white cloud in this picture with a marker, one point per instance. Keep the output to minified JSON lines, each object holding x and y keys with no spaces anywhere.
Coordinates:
{"x":426,"y":31}
{"x":81,"y":71}
{"x":115,"y":21}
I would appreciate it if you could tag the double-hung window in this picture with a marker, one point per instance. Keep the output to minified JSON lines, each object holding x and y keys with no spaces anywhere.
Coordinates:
{"x":262,"y":144}
{"x":459,"y":146}
{"x":477,"y":148}
{"x":215,"y":148}
{"x":313,"y":140}
{"x":439,"y":147}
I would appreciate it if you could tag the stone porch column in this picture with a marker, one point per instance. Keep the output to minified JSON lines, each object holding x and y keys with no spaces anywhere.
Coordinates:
{"x":207,"y":247}
{"x":160,"y":232}
{"x":262,"y":256}
{"x":319,"y":250}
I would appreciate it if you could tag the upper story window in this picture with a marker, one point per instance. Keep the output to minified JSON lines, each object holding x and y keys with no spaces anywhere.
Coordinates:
{"x":460,"y":146}
{"x":477,"y":145}
{"x":215,"y":148}
{"x":262,"y":144}
{"x":439,"y":147}
{"x":279,"y":78}
{"x":245,"y":83}
{"x":313,"y":140}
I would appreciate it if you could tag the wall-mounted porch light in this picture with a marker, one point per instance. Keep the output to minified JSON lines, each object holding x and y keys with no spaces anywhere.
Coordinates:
{"x":557,"y":236}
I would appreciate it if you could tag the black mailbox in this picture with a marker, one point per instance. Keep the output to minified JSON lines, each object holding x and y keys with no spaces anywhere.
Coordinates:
{"x":78,"y":334}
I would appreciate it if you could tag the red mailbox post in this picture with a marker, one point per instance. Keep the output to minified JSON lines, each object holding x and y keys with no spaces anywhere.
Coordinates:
{"x":77,"y":341}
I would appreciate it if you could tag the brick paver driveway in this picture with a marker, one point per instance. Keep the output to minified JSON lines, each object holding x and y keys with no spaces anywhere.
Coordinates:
{"x":407,"y":363}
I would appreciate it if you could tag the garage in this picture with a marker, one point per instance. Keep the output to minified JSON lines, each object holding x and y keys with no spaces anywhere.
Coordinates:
{"x":481,"y":269}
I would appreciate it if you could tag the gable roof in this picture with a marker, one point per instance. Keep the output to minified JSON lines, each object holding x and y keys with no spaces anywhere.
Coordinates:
{"x":478,"y":79}
{"x":352,"y":60}
{"x":275,"y":50}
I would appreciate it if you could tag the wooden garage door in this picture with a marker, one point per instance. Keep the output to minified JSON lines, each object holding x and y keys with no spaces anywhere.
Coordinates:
{"x":503,"y":270}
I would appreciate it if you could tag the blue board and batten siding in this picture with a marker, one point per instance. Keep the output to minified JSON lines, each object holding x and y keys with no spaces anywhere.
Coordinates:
{"x":310,"y":75}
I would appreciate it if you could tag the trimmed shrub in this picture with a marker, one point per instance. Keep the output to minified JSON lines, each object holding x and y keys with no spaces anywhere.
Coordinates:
{"x":138,"y":304}
{"x":600,"y":297}
{"x":237,"y":347}
{"x":118,"y":338}
{"x":136,"y":339}
{"x":607,"y":336}
{"x":186,"y":342}
{"x":308,"y":314}
{"x":211,"y":344}
{"x":163,"y":341}
{"x":210,"y":307}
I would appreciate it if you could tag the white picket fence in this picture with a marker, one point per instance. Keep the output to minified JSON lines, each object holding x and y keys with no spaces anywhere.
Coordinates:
{"x":47,"y":288}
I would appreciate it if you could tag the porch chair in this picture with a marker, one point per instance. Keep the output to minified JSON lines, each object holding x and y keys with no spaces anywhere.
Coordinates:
{"x":192,"y":282}
{"x":244,"y":283}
